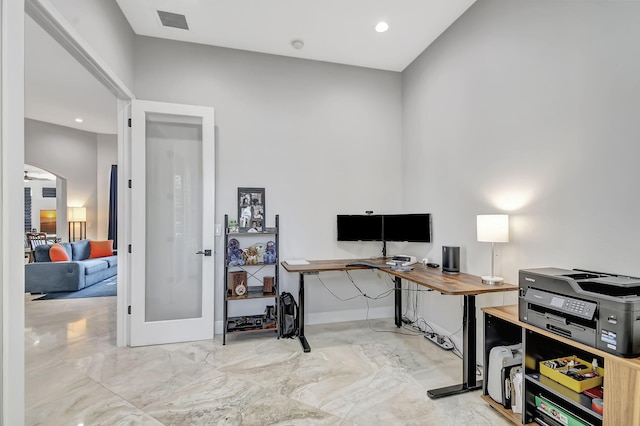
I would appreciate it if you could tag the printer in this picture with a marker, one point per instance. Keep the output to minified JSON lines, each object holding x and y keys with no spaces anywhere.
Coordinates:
{"x":598,"y":309}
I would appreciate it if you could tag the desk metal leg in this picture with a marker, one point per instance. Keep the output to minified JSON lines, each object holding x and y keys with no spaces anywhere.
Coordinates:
{"x":468,"y":354}
{"x":398,"y":300}
{"x":301,"y":336}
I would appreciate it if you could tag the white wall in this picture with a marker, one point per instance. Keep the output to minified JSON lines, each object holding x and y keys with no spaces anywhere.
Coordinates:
{"x":321,"y":138}
{"x":106,"y":155}
{"x":73,"y":154}
{"x":528,"y":108}
{"x":104,"y":27}
{"x":522,"y":107}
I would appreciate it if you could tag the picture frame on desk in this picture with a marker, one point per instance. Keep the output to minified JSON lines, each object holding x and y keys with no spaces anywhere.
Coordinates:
{"x":251,"y":209}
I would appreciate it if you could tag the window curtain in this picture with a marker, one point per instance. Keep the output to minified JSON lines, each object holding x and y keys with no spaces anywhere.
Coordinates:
{"x":113,"y":206}
{"x":27,"y":209}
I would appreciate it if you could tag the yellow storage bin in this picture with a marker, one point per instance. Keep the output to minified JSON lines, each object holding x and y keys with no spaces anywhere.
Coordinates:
{"x":559,"y":375}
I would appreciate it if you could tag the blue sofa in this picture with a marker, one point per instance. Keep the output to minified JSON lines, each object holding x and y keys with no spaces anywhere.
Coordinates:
{"x":45,"y":276}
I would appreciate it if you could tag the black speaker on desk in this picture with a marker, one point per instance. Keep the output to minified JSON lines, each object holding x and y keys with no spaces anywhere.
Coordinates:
{"x":450,"y":260}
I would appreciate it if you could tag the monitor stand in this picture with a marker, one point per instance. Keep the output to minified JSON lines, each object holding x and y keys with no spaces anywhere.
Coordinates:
{"x":384,"y":250}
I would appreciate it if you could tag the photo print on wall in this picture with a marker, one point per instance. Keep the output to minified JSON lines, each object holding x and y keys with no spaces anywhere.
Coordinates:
{"x":251,"y":209}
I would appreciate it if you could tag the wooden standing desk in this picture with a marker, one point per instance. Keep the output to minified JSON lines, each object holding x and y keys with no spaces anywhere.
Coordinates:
{"x":455,"y":285}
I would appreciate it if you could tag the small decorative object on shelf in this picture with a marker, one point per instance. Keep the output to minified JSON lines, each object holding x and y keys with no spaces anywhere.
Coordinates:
{"x":251,"y":322}
{"x":270,"y":253}
{"x":233,"y":226}
{"x":250,"y":255}
{"x":260,"y":247}
{"x":251,"y":273}
{"x":234,"y":253}
{"x":270,"y":317}
{"x":238,"y":283}
{"x":267,"y":285}
{"x":251,"y":209}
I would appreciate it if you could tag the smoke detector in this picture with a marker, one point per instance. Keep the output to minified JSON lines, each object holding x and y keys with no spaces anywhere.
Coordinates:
{"x":297,"y":43}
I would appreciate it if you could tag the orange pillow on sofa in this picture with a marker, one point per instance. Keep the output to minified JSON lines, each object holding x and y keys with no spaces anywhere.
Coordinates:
{"x":100,"y":249}
{"x":57,"y":253}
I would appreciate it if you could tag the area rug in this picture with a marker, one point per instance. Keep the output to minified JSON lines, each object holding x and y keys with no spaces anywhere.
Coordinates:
{"x":103,"y":288}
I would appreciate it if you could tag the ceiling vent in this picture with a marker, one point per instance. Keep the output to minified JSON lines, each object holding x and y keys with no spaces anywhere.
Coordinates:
{"x":173,"y":20}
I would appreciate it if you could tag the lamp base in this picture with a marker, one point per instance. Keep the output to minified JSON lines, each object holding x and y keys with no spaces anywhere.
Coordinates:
{"x":486,"y":279}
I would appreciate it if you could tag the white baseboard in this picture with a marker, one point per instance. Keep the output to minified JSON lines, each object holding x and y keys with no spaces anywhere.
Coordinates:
{"x":218,"y":327}
{"x":350,"y":315}
{"x":336,"y":316}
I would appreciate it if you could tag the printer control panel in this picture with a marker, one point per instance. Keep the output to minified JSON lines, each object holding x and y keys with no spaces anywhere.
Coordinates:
{"x":576,"y":307}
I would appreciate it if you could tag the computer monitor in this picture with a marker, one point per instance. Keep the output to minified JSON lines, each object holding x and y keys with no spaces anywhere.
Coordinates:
{"x":415,"y":228}
{"x":359,"y":228}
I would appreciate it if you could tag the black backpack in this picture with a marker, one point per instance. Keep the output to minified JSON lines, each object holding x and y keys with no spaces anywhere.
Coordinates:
{"x":288,"y":315}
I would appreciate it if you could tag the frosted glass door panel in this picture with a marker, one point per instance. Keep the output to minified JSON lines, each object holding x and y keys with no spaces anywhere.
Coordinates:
{"x":172,"y":191}
{"x":173,"y":218}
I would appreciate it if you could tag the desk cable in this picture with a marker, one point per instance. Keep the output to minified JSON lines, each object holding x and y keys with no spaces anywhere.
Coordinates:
{"x":419,"y":321}
{"x":413,"y":327}
{"x":366,"y":297}
{"x":428,"y":329}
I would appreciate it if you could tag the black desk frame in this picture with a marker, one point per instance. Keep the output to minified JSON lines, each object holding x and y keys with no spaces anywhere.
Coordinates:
{"x":301,"y":336}
{"x":469,"y":381}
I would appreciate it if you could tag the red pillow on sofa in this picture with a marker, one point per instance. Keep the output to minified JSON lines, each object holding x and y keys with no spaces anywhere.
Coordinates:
{"x":100,"y":249}
{"x":57,"y":253}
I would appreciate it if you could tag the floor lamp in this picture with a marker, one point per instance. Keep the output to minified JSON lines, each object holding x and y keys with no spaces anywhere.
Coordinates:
{"x":493,"y":228}
{"x":77,"y":220}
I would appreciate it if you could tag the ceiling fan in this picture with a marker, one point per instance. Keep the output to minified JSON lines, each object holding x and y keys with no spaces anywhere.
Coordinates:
{"x":35,"y":176}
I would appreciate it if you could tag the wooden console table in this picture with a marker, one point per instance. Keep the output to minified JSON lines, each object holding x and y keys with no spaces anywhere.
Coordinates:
{"x":464,"y":285}
{"x":621,"y":378}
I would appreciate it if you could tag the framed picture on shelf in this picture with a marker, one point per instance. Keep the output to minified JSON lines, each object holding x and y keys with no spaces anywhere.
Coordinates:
{"x":251,"y":209}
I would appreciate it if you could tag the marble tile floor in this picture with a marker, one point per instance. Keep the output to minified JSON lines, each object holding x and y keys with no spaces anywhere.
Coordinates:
{"x":75,"y":375}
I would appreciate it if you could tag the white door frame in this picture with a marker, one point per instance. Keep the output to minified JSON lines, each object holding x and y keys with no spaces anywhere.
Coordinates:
{"x":12,"y":401}
{"x":48,"y":17}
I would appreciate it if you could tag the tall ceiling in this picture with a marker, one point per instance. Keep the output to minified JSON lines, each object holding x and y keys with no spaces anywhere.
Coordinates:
{"x":332,"y":30}
{"x":58,"y":89}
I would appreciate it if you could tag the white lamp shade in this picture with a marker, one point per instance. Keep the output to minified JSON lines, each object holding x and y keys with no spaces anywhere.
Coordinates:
{"x":493,"y":228}
{"x":77,"y":214}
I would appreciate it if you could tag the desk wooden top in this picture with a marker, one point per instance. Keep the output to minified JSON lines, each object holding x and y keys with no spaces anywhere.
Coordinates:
{"x":458,"y":284}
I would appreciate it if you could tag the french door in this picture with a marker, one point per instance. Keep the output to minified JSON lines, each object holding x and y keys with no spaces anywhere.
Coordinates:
{"x":172,"y":223}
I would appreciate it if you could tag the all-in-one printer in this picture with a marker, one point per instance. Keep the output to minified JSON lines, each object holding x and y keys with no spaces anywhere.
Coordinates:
{"x":597,"y":309}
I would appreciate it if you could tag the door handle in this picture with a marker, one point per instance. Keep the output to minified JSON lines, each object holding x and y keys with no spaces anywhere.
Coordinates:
{"x":205,"y":252}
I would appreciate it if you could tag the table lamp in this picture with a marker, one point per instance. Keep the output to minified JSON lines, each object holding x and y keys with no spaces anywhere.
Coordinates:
{"x":77,"y":216}
{"x":493,"y":228}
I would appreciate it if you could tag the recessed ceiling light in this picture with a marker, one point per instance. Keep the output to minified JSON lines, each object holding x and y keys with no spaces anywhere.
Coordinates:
{"x":297,"y":43}
{"x":78,"y":120}
{"x":382,"y":27}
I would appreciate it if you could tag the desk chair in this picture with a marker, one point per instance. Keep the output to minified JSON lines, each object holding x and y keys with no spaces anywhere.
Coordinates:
{"x":27,"y":250}
{"x":35,"y":239}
